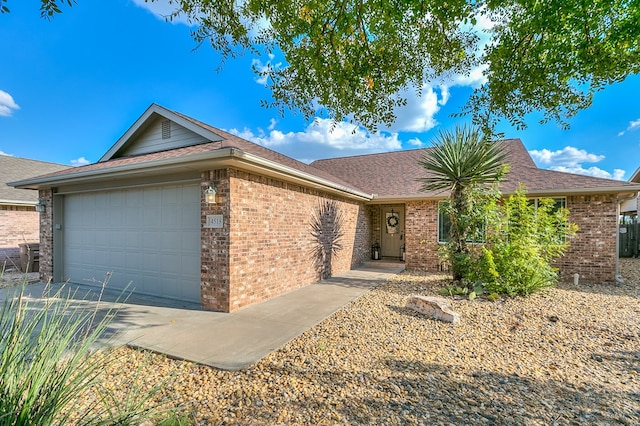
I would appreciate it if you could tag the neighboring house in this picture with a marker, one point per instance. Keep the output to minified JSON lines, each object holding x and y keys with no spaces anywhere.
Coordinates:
{"x":19,"y":221}
{"x":142,"y":214}
{"x":631,"y":207}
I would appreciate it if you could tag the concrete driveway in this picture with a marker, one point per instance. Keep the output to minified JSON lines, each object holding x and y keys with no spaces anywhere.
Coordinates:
{"x":226,"y":341}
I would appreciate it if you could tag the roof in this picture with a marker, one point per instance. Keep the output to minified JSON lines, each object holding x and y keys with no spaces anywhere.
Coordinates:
{"x":225,"y":150}
{"x":13,"y":169}
{"x":635,"y":177}
{"x":374,"y":177}
{"x":395,"y":175}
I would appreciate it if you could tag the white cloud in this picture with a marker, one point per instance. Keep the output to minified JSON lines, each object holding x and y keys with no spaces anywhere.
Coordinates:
{"x":633,"y":125}
{"x":7,"y":104}
{"x":4,"y":153}
{"x":418,"y":115}
{"x":80,"y":162}
{"x":262,"y":70}
{"x":570,"y":160}
{"x":618,"y":174}
{"x":415,"y":142}
{"x":323,"y":139}
{"x":162,"y":9}
{"x":567,"y":156}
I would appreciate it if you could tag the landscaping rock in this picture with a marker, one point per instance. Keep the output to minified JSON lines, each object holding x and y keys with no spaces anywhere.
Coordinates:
{"x":394,"y":369}
{"x":434,"y":307}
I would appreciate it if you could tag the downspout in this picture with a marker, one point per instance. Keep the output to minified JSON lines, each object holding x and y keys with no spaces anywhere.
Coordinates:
{"x":619,"y":279}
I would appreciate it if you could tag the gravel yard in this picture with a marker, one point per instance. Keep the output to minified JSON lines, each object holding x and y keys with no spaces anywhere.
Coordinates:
{"x":12,"y":279}
{"x":568,"y":356}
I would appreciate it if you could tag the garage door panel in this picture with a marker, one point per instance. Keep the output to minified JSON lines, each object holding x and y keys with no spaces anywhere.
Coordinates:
{"x":116,"y":257}
{"x":189,"y":266}
{"x":116,"y":217}
{"x":149,"y":237}
{"x":152,"y":240}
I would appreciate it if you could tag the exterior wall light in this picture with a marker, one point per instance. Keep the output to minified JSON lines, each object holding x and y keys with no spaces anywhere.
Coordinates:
{"x":210,"y":195}
{"x":41,"y":207}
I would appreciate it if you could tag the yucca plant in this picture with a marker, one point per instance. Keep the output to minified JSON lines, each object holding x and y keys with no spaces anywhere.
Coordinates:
{"x":461,"y":162}
{"x":327,"y":231}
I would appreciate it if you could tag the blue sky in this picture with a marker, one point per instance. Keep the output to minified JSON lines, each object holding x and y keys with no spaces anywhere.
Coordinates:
{"x":69,"y":88}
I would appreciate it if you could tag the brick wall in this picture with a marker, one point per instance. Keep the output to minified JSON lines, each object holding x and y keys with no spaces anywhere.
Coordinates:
{"x":270,"y":242}
{"x":592,"y":252}
{"x":18,"y":225}
{"x":214,"y":253}
{"x":46,"y":236}
{"x":421,"y":236}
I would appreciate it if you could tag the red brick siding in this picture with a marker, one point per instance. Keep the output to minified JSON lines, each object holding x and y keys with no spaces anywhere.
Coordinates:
{"x":375,"y":224}
{"x":270,"y":236}
{"x":421,"y":236}
{"x":18,"y":225}
{"x":46,"y":236}
{"x":593,"y":250}
{"x":214,"y":253}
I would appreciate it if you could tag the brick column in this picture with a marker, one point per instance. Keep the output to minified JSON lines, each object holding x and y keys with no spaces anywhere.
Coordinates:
{"x":214,"y":251}
{"x":46,"y":236}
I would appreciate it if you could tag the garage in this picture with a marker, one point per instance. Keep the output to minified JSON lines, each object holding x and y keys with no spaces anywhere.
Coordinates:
{"x":148,"y":238}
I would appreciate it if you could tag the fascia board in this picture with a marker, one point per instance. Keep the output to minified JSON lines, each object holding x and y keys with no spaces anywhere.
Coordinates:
{"x":628,"y":190}
{"x":226,"y":157}
{"x":17,"y":203}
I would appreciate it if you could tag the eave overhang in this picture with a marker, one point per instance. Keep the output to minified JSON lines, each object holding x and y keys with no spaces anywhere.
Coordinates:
{"x":211,"y":160}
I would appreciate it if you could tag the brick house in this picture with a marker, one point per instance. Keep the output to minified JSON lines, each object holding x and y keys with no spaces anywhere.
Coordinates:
{"x":19,"y":221}
{"x":184,"y":210}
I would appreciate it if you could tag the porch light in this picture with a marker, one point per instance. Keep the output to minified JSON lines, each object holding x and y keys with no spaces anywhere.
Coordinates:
{"x":210,"y":195}
{"x":41,"y":207}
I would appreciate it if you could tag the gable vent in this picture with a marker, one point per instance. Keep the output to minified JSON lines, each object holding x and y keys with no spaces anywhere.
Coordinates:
{"x":166,"y":129}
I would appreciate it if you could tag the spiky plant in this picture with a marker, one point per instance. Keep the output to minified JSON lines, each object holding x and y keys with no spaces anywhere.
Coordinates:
{"x":461,"y":161}
{"x":327,"y":231}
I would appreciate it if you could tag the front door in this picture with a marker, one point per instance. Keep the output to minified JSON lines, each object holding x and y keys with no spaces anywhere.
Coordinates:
{"x":392,"y":230}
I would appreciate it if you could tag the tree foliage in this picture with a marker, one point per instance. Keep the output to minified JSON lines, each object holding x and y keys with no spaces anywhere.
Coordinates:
{"x":356,"y":58}
{"x":463,"y":162}
{"x":48,"y":8}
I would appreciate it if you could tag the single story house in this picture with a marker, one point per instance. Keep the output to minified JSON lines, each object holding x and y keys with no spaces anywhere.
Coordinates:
{"x":184,"y":210}
{"x":19,"y":220}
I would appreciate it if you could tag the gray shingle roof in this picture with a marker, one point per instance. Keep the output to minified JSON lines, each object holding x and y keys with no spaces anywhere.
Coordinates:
{"x":387,"y":175}
{"x":13,"y":169}
{"x":396,"y":174}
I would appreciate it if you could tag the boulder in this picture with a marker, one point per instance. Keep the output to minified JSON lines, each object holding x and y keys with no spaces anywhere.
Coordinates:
{"x":434,"y":307}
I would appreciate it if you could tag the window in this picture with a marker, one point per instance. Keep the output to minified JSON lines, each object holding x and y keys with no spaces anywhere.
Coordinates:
{"x":444,"y":223}
{"x":444,"y":230}
{"x":559,"y":203}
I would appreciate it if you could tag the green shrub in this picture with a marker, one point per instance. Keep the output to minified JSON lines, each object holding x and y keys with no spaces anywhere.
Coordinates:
{"x":521,"y":241}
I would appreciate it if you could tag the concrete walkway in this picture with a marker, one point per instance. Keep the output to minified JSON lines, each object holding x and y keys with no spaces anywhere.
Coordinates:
{"x":227,"y":341}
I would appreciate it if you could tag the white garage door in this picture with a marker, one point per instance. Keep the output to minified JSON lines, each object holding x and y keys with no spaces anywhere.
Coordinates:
{"x":148,"y":238}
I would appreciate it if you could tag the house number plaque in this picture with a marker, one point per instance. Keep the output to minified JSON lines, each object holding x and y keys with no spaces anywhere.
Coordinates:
{"x":214,"y":221}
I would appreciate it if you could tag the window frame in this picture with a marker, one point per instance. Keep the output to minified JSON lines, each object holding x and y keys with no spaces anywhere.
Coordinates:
{"x":561,"y":202}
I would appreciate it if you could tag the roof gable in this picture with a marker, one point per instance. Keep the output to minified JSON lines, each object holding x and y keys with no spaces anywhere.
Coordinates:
{"x":157,"y":130}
